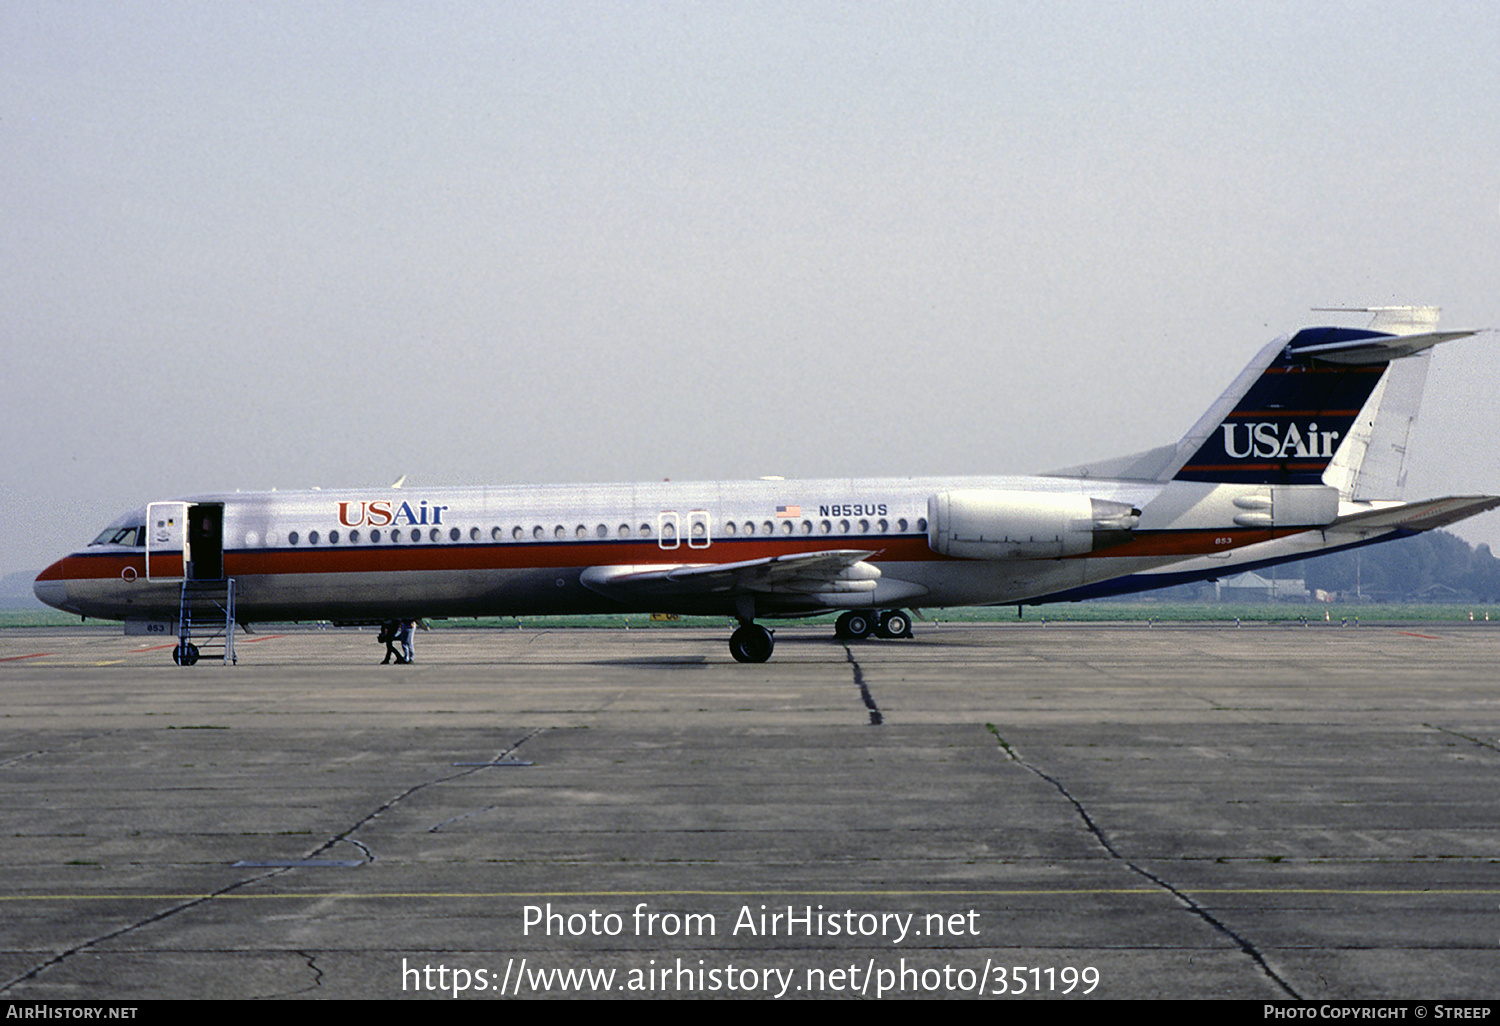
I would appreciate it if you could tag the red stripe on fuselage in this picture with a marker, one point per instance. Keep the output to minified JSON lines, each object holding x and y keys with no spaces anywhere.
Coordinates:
{"x":524,"y":556}
{"x":90,"y":566}
{"x":527,"y":556}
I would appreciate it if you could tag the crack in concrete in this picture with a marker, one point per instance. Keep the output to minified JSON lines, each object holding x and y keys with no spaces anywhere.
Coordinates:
{"x":1491,"y":745}
{"x":75,"y":743}
{"x":165,"y":913}
{"x":1186,"y":900}
{"x":876,"y":716}
{"x":183,"y":906}
{"x":317,"y":980}
{"x":388,"y":805}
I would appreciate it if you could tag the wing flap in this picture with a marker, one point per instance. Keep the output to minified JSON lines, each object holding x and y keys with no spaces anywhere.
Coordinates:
{"x":831,"y":572}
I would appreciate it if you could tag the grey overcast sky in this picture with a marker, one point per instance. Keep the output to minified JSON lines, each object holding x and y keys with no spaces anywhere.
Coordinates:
{"x":256,"y":245}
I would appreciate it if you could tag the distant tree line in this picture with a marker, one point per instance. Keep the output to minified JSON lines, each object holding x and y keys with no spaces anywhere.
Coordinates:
{"x":1433,"y":565}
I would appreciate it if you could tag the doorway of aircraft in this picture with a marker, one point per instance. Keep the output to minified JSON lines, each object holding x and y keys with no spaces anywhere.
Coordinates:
{"x":185,"y":540}
{"x":205,"y":555}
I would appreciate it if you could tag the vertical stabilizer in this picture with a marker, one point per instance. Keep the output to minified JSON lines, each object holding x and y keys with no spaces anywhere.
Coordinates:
{"x":1373,"y":462}
{"x":1333,"y":406}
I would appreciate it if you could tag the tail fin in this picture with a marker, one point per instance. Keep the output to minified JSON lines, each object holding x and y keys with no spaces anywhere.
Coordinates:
{"x":1332,"y":406}
{"x":1372,"y":462}
{"x":1324,"y":397}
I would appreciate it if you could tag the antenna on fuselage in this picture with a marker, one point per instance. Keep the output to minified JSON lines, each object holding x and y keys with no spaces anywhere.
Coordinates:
{"x":399,"y":481}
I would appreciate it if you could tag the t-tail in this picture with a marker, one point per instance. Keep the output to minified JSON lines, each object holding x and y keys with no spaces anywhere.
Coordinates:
{"x":1305,"y":453}
{"x":1317,"y":407}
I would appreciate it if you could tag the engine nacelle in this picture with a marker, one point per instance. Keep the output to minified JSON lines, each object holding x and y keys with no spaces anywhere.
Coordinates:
{"x":993,"y":524}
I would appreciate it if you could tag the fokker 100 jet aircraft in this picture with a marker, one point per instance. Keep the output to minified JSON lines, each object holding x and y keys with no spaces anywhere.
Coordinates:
{"x":1304,"y":454}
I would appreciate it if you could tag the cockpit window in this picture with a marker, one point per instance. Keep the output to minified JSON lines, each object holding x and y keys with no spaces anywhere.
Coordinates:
{"x":115,"y":535}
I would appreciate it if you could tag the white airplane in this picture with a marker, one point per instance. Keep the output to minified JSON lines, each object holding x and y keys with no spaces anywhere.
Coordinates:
{"x":1304,"y":454}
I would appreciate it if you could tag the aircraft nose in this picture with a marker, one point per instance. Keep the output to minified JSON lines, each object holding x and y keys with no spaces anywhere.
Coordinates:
{"x":51,"y":586}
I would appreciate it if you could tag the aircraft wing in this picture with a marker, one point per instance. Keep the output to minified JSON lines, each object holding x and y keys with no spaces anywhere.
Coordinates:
{"x":1417,"y":516}
{"x":834,"y":571}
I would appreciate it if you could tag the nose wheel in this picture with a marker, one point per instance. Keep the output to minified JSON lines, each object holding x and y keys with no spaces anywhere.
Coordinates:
{"x":751,"y":643}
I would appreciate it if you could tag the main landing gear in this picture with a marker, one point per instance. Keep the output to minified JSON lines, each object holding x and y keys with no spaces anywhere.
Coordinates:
{"x":857,"y":624}
{"x":751,"y":643}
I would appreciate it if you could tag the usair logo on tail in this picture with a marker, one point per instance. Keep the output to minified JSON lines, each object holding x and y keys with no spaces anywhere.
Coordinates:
{"x":1261,"y":441}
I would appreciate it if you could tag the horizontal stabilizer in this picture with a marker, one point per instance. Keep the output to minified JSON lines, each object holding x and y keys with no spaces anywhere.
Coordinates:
{"x":1346,"y":346}
{"x":1417,"y":516}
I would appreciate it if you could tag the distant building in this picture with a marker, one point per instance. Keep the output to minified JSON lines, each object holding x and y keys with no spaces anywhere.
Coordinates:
{"x":1252,"y":587}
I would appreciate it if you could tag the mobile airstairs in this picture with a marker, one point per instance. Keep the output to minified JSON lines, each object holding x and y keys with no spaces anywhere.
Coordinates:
{"x":205,"y":621}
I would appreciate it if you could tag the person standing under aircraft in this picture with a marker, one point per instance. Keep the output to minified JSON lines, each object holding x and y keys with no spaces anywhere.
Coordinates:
{"x":404,"y":634}
{"x":388,"y":635}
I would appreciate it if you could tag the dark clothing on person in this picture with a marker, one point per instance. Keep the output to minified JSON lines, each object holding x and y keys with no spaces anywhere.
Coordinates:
{"x":388,"y":632}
